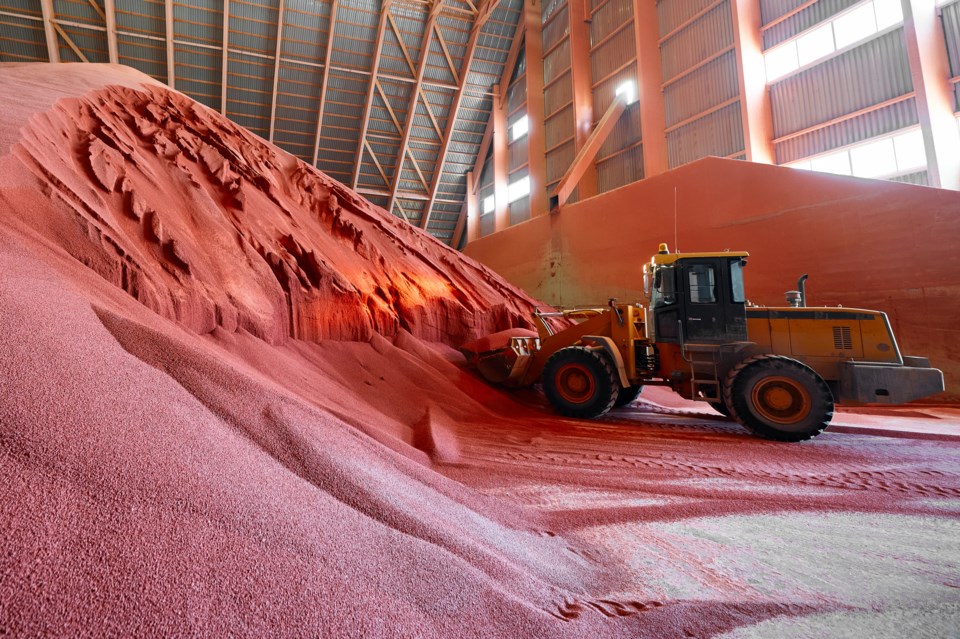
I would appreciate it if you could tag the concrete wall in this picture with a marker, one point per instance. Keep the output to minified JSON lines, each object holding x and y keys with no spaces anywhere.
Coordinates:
{"x":865,"y":243}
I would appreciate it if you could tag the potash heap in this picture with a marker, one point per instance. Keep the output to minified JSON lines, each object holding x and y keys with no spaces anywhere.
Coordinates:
{"x":225,"y":381}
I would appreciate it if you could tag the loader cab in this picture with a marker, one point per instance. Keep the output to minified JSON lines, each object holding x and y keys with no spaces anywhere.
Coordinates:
{"x":697,"y":297}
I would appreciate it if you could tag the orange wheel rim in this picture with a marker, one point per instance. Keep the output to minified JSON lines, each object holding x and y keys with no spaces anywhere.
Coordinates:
{"x":575,"y":383}
{"x":781,"y":400}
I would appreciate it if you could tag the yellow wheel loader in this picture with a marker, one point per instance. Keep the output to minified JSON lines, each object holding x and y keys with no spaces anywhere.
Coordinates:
{"x":776,"y":370}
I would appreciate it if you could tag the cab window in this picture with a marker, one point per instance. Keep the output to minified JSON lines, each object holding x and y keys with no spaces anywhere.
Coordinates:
{"x":702,"y":284}
{"x":738,"y":293}
{"x":664,"y":287}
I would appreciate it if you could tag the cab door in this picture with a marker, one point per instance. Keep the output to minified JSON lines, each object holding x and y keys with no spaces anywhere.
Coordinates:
{"x":711,"y":312}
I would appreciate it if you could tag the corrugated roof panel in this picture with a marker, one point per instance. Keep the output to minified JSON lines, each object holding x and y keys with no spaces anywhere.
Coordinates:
{"x":195,"y":23}
{"x":197,"y":70}
{"x":150,"y":57}
{"x":875,"y":71}
{"x":477,"y":103}
{"x":27,"y":7}
{"x":78,"y":11}
{"x":93,"y":44}
{"x":22,"y":40}
{"x":143,"y":17}
{"x":304,"y":43}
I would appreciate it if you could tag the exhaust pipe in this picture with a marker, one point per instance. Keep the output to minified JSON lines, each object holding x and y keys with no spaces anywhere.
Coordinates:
{"x":798,"y":298}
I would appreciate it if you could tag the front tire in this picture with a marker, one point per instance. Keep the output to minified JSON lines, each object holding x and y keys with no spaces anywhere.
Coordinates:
{"x":778,"y":398}
{"x":580,"y":382}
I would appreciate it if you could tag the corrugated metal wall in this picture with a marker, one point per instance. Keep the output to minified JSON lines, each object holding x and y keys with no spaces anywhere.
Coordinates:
{"x":613,"y":57}
{"x":558,"y":93}
{"x":776,"y":29}
{"x":951,"y":33}
{"x":518,"y":160}
{"x":864,"y":77}
{"x":701,"y":87}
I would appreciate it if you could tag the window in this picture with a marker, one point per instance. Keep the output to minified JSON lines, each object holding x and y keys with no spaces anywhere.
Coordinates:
{"x":519,"y":128}
{"x":880,"y":158}
{"x":844,"y":30}
{"x":737,"y":290}
{"x":703,"y":289}
{"x":488,"y":204}
{"x":838,"y":163}
{"x":629,"y":91}
{"x":815,"y":44}
{"x":910,"y":151}
{"x":854,"y":26}
{"x":874,"y":159}
{"x":663,"y":287}
{"x":519,"y":189}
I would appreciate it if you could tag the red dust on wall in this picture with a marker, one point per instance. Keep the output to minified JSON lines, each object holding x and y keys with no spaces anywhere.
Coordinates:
{"x":864,"y":243}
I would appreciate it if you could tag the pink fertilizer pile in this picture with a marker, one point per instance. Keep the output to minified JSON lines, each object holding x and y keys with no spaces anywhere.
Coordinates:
{"x":231,"y":405}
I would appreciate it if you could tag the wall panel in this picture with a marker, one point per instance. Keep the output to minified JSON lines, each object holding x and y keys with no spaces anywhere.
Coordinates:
{"x":867,"y":75}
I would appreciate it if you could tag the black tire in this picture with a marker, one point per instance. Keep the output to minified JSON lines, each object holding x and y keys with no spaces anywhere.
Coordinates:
{"x":720,"y":407}
{"x":579,"y":382}
{"x":627,"y":395}
{"x":778,"y":398}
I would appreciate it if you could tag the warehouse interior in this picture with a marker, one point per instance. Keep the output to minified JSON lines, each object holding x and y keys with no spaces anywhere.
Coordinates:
{"x":257,"y":256}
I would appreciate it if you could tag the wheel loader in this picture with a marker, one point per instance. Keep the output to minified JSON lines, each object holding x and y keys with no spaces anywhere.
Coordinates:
{"x":779,"y":371}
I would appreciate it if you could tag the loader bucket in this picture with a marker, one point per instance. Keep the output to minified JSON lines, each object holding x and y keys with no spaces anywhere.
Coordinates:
{"x":502,"y":358}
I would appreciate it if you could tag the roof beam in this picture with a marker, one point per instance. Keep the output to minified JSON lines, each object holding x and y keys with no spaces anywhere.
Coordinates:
{"x":368,"y":104}
{"x":49,"y":30}
{"x":276,"y":72}
{"x":403,"y":46}
{"x":332,"y":21}
{"x":70,"y":43}
{"x":171,"y":60}
{"x":446,"y":54}
{"x":110,"y":19}
{"x":473,"y":177}
{"x":412,"y":111}
{"x":454,"y":110}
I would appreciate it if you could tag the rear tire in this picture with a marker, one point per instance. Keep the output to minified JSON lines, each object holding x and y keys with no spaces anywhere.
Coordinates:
{"x":778,"y":398}
{"x":580,"y":382}
{"x":627,"y":395}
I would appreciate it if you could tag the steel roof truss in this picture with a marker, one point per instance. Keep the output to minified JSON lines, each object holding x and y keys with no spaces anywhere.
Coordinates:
{"x":332,"y":25}
{"x":371,"y":88}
